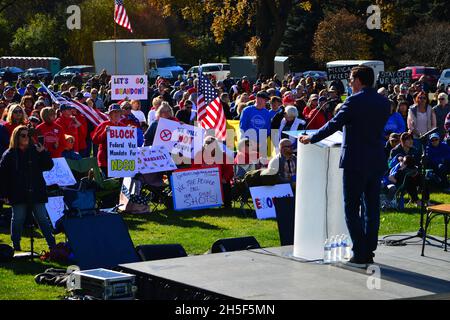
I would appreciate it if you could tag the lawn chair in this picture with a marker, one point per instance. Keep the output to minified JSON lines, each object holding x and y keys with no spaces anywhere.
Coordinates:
{"x":108,"y":191}
{"x":240,"y":191}
{"x":160,"y":191}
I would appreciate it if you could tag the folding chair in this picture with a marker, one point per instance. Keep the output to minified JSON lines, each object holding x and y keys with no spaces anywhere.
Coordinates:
{"x":160,"y":191}
{"x":107,"y":194}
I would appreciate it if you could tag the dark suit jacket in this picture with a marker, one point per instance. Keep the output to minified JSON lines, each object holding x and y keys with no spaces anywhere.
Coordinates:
{"x":362,"y":118}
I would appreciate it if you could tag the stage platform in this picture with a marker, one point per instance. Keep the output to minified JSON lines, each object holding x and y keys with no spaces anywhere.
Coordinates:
{"x":272,"y":274}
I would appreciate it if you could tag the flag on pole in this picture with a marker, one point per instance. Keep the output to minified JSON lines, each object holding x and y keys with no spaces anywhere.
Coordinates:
{"x":120,"y":15}
{"x":93,"y":115}
{"x":209,"y":108}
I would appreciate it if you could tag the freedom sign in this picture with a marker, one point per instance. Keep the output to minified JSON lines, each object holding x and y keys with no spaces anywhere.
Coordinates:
{"x":397,"y":77}
{"x":194,"y":189}
{"x":129,"y":87}
{"x":339,"y":73}
{"x":179,"y":138}
{"x":122,"y":151}
{"x":263,"y":199}
{"x":155,"y":159}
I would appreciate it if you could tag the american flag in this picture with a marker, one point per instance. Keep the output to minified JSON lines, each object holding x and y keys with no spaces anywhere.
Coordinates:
{"x":93,"y":115}
{"x":120,"y":15}
{"x":209,"y":108}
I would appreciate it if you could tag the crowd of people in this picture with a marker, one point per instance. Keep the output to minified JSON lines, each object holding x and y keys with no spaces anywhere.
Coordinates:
{"x":29,"y":117}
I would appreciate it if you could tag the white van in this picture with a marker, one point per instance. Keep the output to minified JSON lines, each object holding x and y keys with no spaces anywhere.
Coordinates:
{"x":218,"y":70}
{"x":376,"y":65}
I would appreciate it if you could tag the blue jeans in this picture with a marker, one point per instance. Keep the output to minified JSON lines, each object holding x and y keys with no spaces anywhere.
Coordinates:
{"x":19,"y":214}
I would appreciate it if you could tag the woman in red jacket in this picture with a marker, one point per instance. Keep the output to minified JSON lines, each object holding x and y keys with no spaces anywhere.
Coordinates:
{"x":16,"y":117}
{"x":53,"y":134}
{"x":69,"y":123}
{"x":99,"y":136}
{"x":207,"y":157}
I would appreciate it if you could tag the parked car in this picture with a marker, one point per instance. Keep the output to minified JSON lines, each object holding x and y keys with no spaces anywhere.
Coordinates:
{"x":431,"y":75}
{"x":315,"y":75}
{"x":218,"y":70}
{"x":68,"y":72}
{"x":444,"y":79}
{"x":10,"y":74}
{"x":38,"y":74}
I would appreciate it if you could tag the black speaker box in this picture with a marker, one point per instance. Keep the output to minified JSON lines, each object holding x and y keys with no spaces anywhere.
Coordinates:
{"x":235,"y":244}
{"x":160,"y":251}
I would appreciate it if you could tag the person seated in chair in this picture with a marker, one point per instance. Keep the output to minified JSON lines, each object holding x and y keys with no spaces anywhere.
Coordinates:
{"x":284,"y":164}
{"x":406,"y":174}
{"x":403,"y":149}
{"x":438,"y":159}
{"x":68,"y":152}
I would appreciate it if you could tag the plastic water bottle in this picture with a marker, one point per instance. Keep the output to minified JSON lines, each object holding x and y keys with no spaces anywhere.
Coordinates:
{"x":327,"y":251}
{"x":333,"y":249}
{"x":347,"y":248}
{"x":340,"y":248}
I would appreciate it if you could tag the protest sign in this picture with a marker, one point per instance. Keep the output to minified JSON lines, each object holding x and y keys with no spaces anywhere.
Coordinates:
{"x":131,"y":87}
{"x":196,"y":188}
{"x":339,"y":73}
{"x":60,"y":174}
{"x":154,"y":159}
{"x":179,"y":138}
{"x":397,"y":77}
{"x":122,"y":152}
{"x":55,"y":209}
{"x":263,"y":199}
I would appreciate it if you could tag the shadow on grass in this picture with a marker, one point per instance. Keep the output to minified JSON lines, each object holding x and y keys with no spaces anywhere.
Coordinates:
{"x":27,"y":266}
{"x":183,"y":219}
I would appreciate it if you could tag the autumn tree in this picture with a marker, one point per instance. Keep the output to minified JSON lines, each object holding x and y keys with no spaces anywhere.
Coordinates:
{"x":427,"y":45}
{"x":341,"y":36}
{"x":267,"y":20}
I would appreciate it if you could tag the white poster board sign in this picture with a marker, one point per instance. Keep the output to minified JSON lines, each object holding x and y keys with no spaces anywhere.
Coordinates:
{"x":155,"y":159}
{"x":60,"y":174}
{"x":194,"y":189}
{"x":129,"y":87}
{"x":263,"y":199}
{"x":179,"y":138}
{"x":55,"y":209}
{"x":122,"y":152}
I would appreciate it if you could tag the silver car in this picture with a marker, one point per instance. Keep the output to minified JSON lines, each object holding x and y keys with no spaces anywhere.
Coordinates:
{"x":444,"y":78}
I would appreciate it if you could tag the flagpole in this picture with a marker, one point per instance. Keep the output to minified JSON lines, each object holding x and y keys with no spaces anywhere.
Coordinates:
{"x":115,"y":44}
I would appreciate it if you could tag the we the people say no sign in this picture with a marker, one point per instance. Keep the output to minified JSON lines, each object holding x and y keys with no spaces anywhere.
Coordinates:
{"x":131,"y":87}
{"x":122,"y":151}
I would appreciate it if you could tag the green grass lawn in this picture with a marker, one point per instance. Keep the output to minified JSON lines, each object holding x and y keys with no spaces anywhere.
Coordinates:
{"x":194,"y":230}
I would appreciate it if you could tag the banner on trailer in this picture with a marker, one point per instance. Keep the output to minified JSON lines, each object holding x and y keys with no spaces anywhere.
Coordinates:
{"x":194,"y":189}
{"x":263,"y":199}
{"x":129,"y":87}
{"x":155,"y":159}
{"x":122,"y":152}
{"x":339,"y":73}
{"x":397,"y":77}
{"x":179,"y":138}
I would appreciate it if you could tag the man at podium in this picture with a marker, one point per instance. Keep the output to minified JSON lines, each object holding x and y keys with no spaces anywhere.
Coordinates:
{"x":362,"y":118}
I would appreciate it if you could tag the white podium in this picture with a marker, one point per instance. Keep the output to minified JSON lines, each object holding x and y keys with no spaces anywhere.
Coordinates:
{"x":319,"y":203}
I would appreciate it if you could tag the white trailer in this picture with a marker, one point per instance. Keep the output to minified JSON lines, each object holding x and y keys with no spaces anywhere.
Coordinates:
{"x":152,"y":57}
